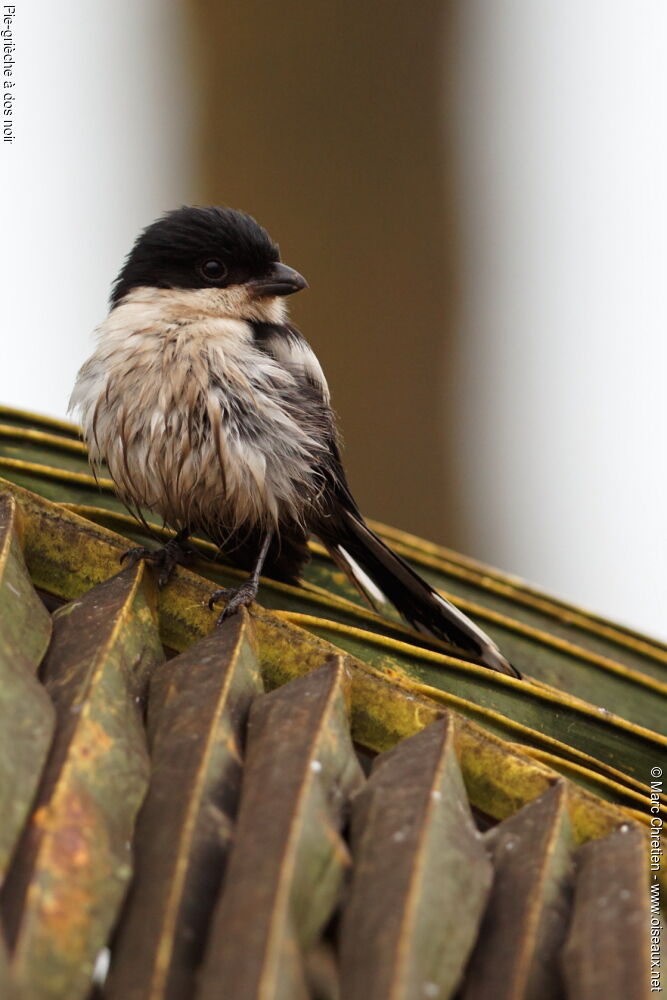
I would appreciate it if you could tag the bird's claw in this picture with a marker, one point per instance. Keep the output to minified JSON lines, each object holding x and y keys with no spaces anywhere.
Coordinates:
{"x":165,"y":575}
{"x":236,"y":597}
{"x":217,"y":595}
{"x":136,"y":553}
{"x":165,"y":560}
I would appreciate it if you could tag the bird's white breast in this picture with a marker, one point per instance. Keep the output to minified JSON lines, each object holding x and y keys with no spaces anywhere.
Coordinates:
{"x":193,"y":421}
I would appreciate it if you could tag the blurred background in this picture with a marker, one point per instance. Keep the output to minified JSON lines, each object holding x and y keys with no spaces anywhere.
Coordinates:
{"x":475,"y":190}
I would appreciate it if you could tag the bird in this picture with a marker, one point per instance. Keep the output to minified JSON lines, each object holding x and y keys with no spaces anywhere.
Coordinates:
{"x":211,"y":411}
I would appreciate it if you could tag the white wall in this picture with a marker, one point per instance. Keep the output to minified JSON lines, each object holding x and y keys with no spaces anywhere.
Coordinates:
{"x":563,"y":126}
{"x":102,"y":116}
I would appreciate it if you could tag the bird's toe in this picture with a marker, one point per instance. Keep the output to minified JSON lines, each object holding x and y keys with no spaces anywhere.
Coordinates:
{"x":222,"y":594}
{"x":134,"y":554}
{"x":237,"y":597}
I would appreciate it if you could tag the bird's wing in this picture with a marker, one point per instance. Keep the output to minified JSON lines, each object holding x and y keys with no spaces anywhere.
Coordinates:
{"x":379,"y":573}
{"x":289,"y":348}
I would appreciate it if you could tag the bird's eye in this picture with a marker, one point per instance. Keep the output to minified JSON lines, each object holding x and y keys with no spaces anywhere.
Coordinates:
{"x":213,"y":269}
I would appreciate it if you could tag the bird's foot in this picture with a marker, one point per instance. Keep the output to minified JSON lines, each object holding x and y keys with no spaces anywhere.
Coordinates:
{"x":176,"y":552}
{"x":236,"y":597}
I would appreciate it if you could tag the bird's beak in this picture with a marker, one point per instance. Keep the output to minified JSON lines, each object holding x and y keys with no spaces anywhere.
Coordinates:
{"x":280,"y":280}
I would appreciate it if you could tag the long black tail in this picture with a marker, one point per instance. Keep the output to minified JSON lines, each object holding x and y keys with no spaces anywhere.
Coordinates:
{"x":381,"y":575}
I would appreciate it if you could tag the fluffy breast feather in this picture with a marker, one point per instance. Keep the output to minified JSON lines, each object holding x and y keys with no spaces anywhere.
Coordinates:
{"x":198,"y":424}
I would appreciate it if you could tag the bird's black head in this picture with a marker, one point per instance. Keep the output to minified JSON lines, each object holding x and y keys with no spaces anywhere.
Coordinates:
{"x":213,"y":247}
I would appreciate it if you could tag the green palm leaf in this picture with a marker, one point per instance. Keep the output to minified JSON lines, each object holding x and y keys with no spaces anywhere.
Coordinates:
{"x":591,"y":710}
